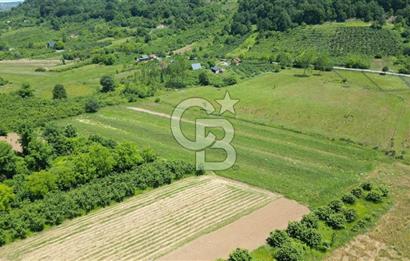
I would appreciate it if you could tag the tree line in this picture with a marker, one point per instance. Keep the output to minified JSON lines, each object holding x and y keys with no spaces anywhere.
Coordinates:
{"x":60,"y":175}
{"x":281,"y":15}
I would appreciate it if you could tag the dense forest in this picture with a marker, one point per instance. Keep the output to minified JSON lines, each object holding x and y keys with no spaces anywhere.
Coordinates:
{"x":280,"y":15}
{"x":177,"y":13}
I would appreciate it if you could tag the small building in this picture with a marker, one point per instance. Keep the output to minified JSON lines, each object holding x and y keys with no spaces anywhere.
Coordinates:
{"x":51,"y":44}
{"x":217,"y":70}
{"x":143,"y":58}
{"x":196,"y":66}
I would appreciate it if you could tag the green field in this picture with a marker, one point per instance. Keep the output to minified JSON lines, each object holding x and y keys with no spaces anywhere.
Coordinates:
{"x":307,"y":167}
{"x":82,"y":81}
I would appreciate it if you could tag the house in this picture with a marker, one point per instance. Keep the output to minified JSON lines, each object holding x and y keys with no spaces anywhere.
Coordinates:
{"x":51,"y":44}
{"x":143,"y":58}
{"x":217,"y":70}
{"x":196,"y":66}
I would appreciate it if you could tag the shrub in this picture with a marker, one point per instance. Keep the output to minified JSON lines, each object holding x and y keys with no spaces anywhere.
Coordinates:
{"x":336,"y":205}
{"x":25,"y":91}
{"x":40,"y":69}
{"x":310,"y":221}
{"x":295,"y":230}
{"x":336,"y":221}
{"x":203,"y":79}
{"x":240,"y":255}
{"x":384,"y":190}
{"x":70,"y":131}
{"x":312,"y":238}
{"x":107,"y":84}
{"x":367,"y":186}
{"x":3,"y":81}
{"x":375,"y":196}
{"x":386,"y":69}
{"x":324,"y":213}
{"x":92,"y":106}
{"x":290,"y":252}
{"x":228,"y":81}
{"x":278,"y":238}
{"x":349,"y":199}
{"x":357,"y":192}
{"x":59,"y":92}
{"x":350,"y":215}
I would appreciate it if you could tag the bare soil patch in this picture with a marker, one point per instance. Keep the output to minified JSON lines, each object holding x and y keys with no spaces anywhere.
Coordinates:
{"x":249,"y":232}
{"x":13,"y":139}
{"x":39,"y":63}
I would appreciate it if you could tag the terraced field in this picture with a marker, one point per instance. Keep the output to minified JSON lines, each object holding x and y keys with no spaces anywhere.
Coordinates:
{"x":146,"y":226}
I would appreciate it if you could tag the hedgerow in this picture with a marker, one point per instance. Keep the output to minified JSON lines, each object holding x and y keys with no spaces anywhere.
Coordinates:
{"x":56,"y":207}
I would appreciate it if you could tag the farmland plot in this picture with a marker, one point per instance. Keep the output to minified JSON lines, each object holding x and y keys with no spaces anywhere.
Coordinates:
{"x":147,"y":226}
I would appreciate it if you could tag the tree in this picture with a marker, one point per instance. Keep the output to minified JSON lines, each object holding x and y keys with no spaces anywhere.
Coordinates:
{"x":107,"y":84}
{"x":350,"y":215}
{"x":289,"y":252}
{"x":7,"y":161}
{"x":203,"y":79}
{"x":336,"y":205}
{"x":312,"y":238}
{"x":349,"y":199}
{"x":26,"y":134}
{"x":305,"y":60}
{"x":25,"y":91}
{"x":6,"y":197}
{"x":240,"y":255}
{"x":70,"y":131}
{"x":92,"y":106}
{"x":310,"y":221}
{"x":323,"y":63}
{"x":39,"y":184}
{"x":336,"y":221}
{"x":39,"y":155}
{"x":59,"y":92}
{"x":284,"y":60}
{"x":278,"y":238}
{"x":127,"y":156}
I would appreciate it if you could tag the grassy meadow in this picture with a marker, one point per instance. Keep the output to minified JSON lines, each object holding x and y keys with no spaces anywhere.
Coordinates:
{"x":81,"y":81}
{"x":307,"y":162}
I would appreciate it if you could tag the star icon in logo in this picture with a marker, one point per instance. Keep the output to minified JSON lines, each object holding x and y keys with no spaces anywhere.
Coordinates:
{"x":227,"y":104}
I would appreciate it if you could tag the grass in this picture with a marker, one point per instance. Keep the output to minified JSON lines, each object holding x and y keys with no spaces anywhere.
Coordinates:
{"x":367,"y":212}
{"x":310,"y":165}
{"x":78,"y":82}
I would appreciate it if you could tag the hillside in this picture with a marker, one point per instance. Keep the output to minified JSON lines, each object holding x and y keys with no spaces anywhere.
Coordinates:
{"x":309,"y":92}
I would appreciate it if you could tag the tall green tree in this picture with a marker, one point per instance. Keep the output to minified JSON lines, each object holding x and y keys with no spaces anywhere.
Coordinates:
{"x":7,"y":161}
{"x":59,"y":92}
{"x":6,"y":197}
{"x":107,"y":84}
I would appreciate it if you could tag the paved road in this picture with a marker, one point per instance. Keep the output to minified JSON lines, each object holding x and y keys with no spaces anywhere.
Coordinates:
{"x":370,"y":71}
